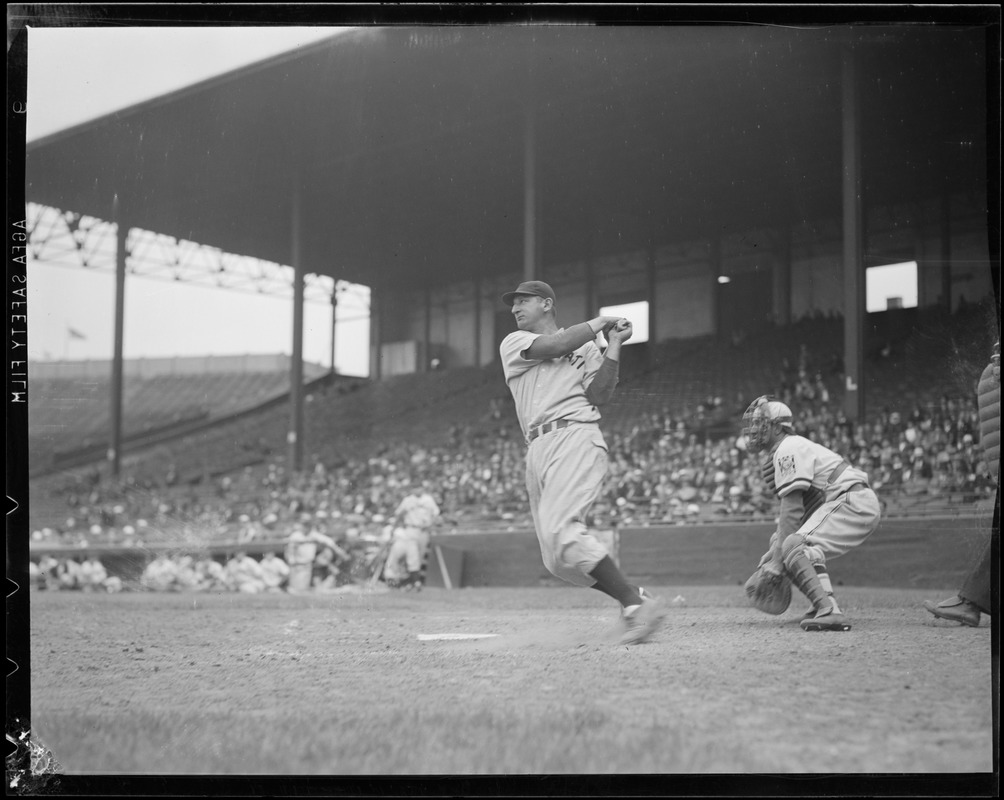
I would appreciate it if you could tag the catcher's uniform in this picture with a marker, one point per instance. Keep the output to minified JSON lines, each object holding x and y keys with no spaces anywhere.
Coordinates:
{"x":849,"y":512}
{"x":566,"y":459}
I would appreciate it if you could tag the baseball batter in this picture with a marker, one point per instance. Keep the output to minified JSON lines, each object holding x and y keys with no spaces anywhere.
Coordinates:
{"x":827,"y":508}
{"x":558,"y":377}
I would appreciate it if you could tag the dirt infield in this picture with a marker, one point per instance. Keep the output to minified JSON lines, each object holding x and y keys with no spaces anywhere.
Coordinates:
{"x":342,"y":685}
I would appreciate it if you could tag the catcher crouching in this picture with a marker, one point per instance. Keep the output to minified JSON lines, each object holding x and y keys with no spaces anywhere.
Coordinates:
{"x":827,"y":509}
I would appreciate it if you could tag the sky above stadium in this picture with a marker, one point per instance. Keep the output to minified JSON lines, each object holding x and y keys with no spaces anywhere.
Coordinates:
{"x":79,"y":74}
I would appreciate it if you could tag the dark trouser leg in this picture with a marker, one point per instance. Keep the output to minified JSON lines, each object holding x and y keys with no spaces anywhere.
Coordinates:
{"x":977,"y":586}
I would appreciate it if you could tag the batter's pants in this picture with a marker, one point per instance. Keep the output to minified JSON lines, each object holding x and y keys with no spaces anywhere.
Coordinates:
{"x":840,"y":525}
{"x":565,"y":471}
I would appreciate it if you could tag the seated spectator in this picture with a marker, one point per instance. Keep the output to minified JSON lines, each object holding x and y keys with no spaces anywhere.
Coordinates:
{"x":68,"y":574}
{"x":244,"y":574}
{"x":34,"y":575}
{"x":159,"y":575}
{"x":210,"y":576}
{"x":275,"y":572}
{"x":47,"y":572}
{"x":92,"y":574}
{"x":186,"y":578}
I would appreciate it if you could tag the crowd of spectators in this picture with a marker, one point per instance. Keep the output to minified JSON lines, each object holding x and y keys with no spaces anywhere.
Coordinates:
{"x":310,"y":560}
{"x":672,"y":466}
{"x":87,"y":575}
{"x":239,"y":573}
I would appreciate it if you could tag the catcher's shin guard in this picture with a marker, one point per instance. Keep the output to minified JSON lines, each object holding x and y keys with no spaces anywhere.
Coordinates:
{"x":803,"y":574}
{"x":824,"y":578}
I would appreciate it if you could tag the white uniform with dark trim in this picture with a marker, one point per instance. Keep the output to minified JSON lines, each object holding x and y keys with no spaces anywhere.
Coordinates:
{"x":565,"y":468}
{"x":417,"y":513}
{"x":851,"y":511}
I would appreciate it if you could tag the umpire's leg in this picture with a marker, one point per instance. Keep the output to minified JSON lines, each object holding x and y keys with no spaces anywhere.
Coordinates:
{"x":978,"y":588}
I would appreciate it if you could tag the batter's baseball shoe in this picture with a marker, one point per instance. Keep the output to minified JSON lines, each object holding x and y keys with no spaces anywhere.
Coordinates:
{"x":828,"y":619}
{"x":642,"y":621}
{"x":955,"y":609}
{"x":642,"y":594}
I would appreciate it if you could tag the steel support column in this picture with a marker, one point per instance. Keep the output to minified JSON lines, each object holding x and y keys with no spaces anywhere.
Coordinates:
{"x":121,"y":232}
{"x":334,"y":324}
{"x":652,"y":286}
{"x":426,"y":354}
{"x":854,"y":278}
{"x":715,"y":267}
{"x":945,"y":242}
{"x":376,"y":357}
{"x":477,"y":321}
{"x":529,"y":195}
{"x":294,"y":438}
{"x":782,"y":279}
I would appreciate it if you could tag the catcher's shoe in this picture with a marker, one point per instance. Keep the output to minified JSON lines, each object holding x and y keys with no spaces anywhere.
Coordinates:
{"x":828,"y":619}
{"x":643,"y":621}
{"x":955,"y":609}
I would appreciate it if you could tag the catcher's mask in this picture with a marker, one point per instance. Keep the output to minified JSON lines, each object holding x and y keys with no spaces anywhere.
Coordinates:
{"x":759,"y":420}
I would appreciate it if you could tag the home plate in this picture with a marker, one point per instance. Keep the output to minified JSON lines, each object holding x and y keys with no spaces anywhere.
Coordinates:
{"x":432,"y":637}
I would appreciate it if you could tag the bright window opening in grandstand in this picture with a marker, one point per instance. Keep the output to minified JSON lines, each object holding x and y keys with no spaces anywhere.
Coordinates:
{"x":637,"y":313}
{"x":891,"y":286}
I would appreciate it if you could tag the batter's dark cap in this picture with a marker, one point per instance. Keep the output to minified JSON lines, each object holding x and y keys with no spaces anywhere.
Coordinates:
{"x":536,"y":288}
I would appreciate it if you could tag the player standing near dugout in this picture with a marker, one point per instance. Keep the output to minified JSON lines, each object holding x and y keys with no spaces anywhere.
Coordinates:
{"x":558,"y":377}
{"x":827,"y":508}
{"x":413,"y":520}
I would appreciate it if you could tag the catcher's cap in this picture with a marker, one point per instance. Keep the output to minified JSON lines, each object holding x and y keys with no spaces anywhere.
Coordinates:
{"x":779,"y":412}
{"x":533,"y":288}
{"x":774,"y":411}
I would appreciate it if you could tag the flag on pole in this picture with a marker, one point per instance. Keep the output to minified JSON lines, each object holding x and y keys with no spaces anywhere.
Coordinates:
{"x":75,"y":334}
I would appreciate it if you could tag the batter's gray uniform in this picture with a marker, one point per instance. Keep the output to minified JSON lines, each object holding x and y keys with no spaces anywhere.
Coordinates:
{"x":851,"y":511}
{"x":566,"y":459}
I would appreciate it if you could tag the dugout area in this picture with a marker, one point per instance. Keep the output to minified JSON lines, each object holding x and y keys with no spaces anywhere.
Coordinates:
{"x":924,"y":553}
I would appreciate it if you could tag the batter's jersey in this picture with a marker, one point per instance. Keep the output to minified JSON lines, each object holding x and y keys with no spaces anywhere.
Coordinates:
{"x":548,"y":389}
{"x":800,"y":463}
{"x":418,"y":511}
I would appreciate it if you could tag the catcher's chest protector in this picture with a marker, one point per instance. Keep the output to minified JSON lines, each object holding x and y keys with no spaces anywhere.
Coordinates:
{"x":988,"y":392}
{"x":767,"y":470}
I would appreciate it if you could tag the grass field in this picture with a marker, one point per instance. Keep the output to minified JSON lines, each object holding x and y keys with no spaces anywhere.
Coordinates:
{"x":342,"y":685}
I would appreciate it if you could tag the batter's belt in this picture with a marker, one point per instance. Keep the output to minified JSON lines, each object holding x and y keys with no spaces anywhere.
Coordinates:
{"x":547,"y":427}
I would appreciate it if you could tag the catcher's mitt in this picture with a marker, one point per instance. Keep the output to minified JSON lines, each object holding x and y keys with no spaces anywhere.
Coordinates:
{"x":769,"y":592}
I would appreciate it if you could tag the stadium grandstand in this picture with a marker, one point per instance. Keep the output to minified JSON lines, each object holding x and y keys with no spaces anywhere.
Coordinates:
{"x":673,"y":432}
{"x":752,"y":272}
{"x":163,"y":397}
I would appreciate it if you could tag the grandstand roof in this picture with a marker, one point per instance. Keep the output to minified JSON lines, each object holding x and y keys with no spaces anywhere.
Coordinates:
{"x":407,"y":144}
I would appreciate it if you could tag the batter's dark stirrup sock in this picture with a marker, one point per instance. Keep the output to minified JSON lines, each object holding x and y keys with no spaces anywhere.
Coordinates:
{"x":610,"y":580}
